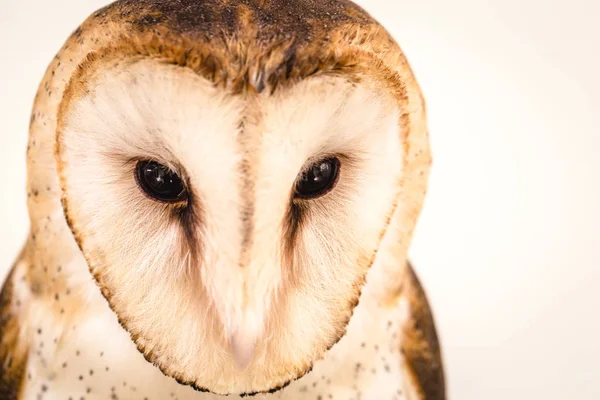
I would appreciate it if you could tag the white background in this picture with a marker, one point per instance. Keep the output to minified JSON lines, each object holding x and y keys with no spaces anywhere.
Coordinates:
{"x":508,"y":246}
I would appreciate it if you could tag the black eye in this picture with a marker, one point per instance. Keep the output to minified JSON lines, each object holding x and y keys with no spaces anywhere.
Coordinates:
{"x":159,"y":182}
{"x":318,"y":179}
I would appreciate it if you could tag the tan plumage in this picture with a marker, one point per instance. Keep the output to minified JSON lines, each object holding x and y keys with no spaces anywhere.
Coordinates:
{"x":243,"y":288}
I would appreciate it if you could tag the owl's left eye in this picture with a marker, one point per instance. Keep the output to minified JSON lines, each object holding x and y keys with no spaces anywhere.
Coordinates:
{"x":318,"y":179}
{"x":159,"y":182}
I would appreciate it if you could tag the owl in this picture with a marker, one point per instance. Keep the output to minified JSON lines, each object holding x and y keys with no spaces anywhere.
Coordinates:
{"x":222,"y":194}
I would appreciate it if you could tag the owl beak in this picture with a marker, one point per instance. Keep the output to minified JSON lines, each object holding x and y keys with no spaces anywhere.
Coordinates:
{"x":242,"y":347}
{"x":244,"y":337}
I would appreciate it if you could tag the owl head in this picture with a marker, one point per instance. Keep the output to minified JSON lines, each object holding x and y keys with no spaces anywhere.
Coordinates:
{"x":229,"y":170}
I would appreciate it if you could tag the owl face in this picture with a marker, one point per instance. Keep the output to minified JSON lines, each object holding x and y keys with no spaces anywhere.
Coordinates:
{"x":230,"y":232}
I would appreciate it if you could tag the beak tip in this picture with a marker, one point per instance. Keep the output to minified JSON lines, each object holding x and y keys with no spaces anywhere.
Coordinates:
{"x":242,"y":350}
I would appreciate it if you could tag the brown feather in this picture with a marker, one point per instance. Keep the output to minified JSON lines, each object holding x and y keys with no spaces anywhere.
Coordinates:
{"x":420,"y":345}
{"x":13,"y":356}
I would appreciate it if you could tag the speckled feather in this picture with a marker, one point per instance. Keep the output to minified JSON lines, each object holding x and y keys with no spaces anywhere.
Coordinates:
{"x":241,"y":45}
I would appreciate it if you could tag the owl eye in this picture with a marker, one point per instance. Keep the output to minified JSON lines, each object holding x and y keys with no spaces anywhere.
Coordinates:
{"x":318,"y":179}
{"x":159,"y":182}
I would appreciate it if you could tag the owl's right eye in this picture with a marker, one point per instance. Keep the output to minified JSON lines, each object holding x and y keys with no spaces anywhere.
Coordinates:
{"x":159,"y":182}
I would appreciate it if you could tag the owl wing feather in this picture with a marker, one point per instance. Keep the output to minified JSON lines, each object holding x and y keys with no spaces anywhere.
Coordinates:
{"x":13,"y":354}
{"x":420,"y":346}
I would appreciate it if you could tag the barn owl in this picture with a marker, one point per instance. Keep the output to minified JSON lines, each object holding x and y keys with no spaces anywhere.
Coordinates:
{"x":222,"y":194}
